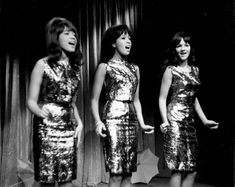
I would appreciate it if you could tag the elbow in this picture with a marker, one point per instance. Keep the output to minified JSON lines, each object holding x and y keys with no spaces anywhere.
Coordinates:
{"x":31,"y":104}
{"x":28,"y":103}
{"x":94,"y":99}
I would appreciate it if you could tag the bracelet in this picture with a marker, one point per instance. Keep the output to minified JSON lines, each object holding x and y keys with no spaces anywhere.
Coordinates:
{"x":98,"y":122}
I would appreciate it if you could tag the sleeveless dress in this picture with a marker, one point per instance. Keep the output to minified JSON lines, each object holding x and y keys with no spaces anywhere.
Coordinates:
{"x":119,"y":116}
{"x":180,"y":140}
{"x":54,"y":144}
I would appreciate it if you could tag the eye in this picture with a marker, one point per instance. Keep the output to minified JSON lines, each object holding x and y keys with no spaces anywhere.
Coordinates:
{"x":66,"y":32}
{"x":178,"y":46}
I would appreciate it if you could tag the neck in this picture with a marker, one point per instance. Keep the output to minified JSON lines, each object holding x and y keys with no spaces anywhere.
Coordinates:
{"x":64,"y":56}
{"x":118,"y":57}
{"x":184,"y":64}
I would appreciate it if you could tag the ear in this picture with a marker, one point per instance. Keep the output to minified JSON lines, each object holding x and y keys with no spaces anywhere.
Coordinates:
{"x":114,"y":45}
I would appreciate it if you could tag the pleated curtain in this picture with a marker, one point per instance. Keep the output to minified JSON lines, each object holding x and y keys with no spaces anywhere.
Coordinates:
{"x":92,"y":18}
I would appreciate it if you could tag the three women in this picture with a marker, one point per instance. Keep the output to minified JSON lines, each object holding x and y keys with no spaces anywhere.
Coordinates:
{"x":53,"y":86}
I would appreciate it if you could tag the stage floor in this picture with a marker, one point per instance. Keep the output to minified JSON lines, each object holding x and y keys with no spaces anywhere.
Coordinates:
{"x":161,"y":182}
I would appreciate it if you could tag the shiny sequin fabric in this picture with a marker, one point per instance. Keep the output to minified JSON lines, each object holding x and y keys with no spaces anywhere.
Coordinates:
{"x":180,"y":141}
{"x":119,"y":116}
{"x":54,"y":144}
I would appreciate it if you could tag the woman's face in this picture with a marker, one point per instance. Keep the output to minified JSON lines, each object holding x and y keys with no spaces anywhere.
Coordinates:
{"x":68,"y":40}
{"x":123,"y":45}
{"x":183,"y":50}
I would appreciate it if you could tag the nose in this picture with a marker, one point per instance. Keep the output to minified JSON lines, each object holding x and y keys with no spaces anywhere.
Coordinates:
{"x":128,"y":41}
{"x":183,"y":48}
{"x":72,"y":35}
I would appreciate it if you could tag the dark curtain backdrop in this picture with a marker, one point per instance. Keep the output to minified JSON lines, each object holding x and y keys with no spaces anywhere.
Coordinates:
{"x":211,"y":22}
{"x":22,"y":44}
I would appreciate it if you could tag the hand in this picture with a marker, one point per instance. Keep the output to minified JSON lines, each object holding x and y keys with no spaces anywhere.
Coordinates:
{"x":44,"y":112}
{"x":163,"y":127}
{"x":100,"y":129}
{"x":78,"y":134}
{"x":211,"y":124}
{"x":148,"y":129}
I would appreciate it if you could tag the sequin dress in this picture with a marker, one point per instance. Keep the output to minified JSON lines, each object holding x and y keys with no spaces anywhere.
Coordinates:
{"x":54,"y":144}
{"x":180,"y":140}
{"x":119,"y":116}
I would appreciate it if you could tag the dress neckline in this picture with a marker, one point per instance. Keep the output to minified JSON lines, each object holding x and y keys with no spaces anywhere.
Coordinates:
{"x":185,"y":71}
{"x":63,"y":62}
{"x":118,"y":61}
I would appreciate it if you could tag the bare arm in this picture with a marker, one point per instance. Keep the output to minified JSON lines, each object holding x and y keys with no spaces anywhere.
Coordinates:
{"x":209,"y":123}
{"x":200,"y":112}
{"x":138,"y":107}
{"x":78,"y":131}
{"x":95,"y":96}
{"x":165,"y":86}
{"x":75,"y":109}
{"x":34,"y":90}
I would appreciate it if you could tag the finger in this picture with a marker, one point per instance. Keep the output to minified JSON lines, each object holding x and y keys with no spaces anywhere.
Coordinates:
{"x":44,"y":115}
{"x":97,"y":132}
{"x":102,"y":135}
{"x":77,"y":133}
{"x":149,"y":132}
{"x":216,"y":127}
{"x":103,"y":132}
{"x":45,"y":110}
{"x":104,"y":128}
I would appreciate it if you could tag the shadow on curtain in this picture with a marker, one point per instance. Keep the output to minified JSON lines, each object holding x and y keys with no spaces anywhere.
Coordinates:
{"x":92,"y":18}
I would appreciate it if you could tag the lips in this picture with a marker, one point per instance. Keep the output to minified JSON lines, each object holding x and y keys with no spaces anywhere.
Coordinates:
{"x":128,"y":47}
{"x":72,"y":43}
{"x":184,"y":53}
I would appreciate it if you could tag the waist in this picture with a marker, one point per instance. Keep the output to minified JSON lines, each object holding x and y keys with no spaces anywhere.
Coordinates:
{"x":60,"y":104}
{"x":120,"y":96}
{"x":119,"y":100}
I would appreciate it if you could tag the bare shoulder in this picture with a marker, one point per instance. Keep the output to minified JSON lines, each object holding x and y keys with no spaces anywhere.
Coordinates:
{"x":197,"y":68}
{"x":167,"y":73}
{"x":101,"y":69}
{"x":39,"y":66}
{"x":40,"y":63}
{"x":136,"y":67}
{"x":102,"y":65}
{"x":168,"y":70}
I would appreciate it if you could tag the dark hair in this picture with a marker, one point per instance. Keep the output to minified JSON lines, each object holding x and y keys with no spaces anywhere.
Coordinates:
{"x":172,"y":57}
{"x":53,"y":29}
{"x":110,"y":36}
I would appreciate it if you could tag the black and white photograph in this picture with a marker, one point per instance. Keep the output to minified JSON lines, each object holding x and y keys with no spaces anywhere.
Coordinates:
{"x":117,"y":93}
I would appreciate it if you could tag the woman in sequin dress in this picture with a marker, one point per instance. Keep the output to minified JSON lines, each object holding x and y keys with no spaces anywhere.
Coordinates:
{"x":122,"y":110}
{"x":178,"y":104}
{"x":52,"y":95}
